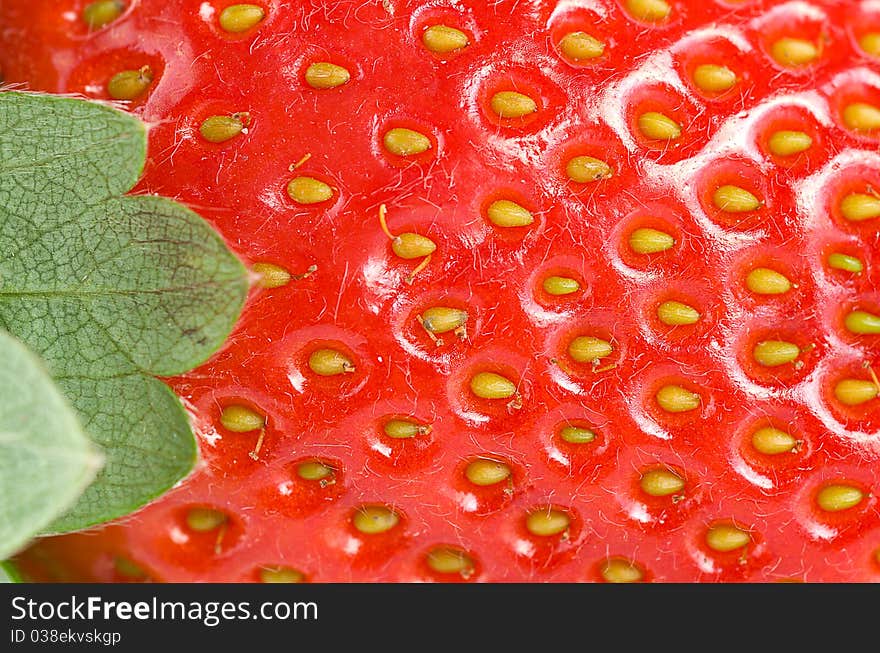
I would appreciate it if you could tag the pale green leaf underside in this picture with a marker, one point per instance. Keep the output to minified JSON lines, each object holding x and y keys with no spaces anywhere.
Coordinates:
{"x":109,"y":290}
{"x":45,"y":457}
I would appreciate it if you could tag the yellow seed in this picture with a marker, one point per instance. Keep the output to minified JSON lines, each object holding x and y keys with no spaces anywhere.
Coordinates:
{"x":794,"y":52}
{"x":330,"y":362}
{"x":281,"y":575}
{"x":587,"y":349}
{"x":483,"y":472}
{"x":219,"y":129}
{"x":838,"y":497}
{"x":712,"y":78}
{"x":584,"y":169}
{"x":771,"y":441}
{"x":789,"y":143}
{"x":405,"y":142}
{"x":863,"y":323}
{"x":620,"y":570}
{"x":857,"y":207}
{"x":560,"y":285}
{"x":764,"y":281}
{"x":308,"y":190}
{"x":488,"y":385}
{"x":324,"y":75}
{"x":661,"y":483}
{"x":271,"y":275}
{"x":240,"y":18}
{"x":203,"y":520}
{"x":511,"y":104}
{"x":773,"y":353}
{"x":727,"y":537}
{"x":658,"y":126}
{"x":410,"y":245}
{"x":372,"y":520}
{"x":580,"y":46}
{"x":402,"y":429}
{"x":650,"y":11}
{"x":504,"y":213}
{"x":862,"y":117}
{"x":870,"y":43}
{"x":442,"y":39}
{"x":677,"y":314}
{"x":130,"y":84}
{"x":449,"y":560}
{"x":853,"y":392}
{"x":314,"y":470}
{"x":733,"y":199}
{"x":441,"y":319}
{"x":844,"y":262}
{"x":650,"y":241}
{"x":241,"y":419}
{"x":129,"y":568}
{"x":675,"y":399}
{"x":546,"y":522}
{"x":102,"y":12}
{"x":577,"y":435}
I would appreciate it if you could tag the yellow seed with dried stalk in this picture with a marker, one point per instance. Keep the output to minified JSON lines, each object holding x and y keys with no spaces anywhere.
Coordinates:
{"x":330,"y":362}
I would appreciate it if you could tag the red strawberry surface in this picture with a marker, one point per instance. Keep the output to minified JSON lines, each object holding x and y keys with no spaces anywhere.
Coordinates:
{"x":699,"y":405}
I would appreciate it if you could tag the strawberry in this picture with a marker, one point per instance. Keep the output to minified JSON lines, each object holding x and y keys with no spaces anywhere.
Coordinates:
{"x":542,"y":291}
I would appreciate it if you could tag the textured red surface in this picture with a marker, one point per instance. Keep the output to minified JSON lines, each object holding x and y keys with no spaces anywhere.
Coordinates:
{"x":358,"y":300}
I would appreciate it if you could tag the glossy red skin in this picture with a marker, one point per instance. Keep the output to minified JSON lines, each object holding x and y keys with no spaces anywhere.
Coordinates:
{"x":358,"y":299}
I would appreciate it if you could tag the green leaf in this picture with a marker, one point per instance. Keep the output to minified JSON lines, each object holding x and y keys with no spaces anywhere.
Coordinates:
{"x":45,"y":458}
{"x":9,"y":573}
{"x":111,"y":291}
